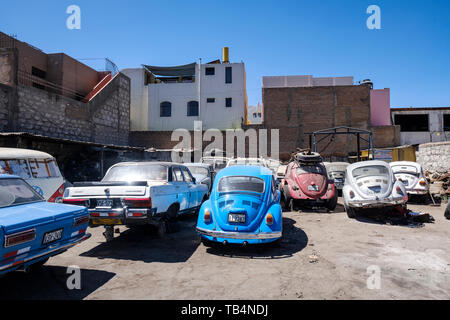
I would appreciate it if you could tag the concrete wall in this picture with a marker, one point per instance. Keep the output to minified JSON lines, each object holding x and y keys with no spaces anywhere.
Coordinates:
{"x":436,"y":126}
{"x":213,"y":115}
{"x":380,"y":107}
{"x":105,"y":119}
{"x":434,"y":156}
{"x":304,"y":81}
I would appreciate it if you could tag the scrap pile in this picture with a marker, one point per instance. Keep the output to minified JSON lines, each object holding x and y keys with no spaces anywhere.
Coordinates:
{"x":439,"y":183}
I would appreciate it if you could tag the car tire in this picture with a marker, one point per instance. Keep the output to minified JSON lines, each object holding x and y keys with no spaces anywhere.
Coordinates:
{"x":38,"y":266}
{"x":163,"y":228}
{"x":208,"y":243}
{"x":286,"y":202}
{"x":331,"y":204}
{"x":351,"y":212}
{"x":447,"y":211}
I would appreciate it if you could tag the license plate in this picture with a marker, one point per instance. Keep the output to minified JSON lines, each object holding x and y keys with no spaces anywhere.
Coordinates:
{"x":52,"y":236}
{"x":107,"y":222}
{"x":375,"y":189}
{"x":313,"y":188}
{"x":236,"y":217}
{"x":339,"y":180}
{"x":104,"y":203}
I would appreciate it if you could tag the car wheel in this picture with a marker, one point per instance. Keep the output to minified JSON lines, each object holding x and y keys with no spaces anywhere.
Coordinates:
{"x":163,"y":228}
{"x":109,"y":233}
{"x":208,"y":243}
{"x":331,"y":204}
{"x":286,"y":201}
{"x":38,"y":266}
{"x":447,"y":211}
{"x":351,"y":213}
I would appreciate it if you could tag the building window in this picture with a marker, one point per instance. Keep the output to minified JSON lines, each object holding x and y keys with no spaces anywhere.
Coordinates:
{"x":228,"y":75}
{"x":40,"y":74}
{"x":192,"y":109}
{"x":412,"y":122}
{"x":165,"y":109}
{"x":228,"y":102}
{"x":210,"y":100}
{"x":447,"y":122}
{"x":210,"y":71}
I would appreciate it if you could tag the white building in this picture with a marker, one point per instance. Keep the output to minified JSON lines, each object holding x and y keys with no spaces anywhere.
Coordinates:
{"x":168,"y":98}
{"x":255,"y":114}
{"x":422,"y":125}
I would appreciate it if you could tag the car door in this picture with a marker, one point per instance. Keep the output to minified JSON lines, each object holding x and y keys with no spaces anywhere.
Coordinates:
{"x":192,"y":188}
{"x":181,"y":188}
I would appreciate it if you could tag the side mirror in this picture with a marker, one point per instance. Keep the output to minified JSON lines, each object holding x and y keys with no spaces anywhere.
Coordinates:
{"x":278,"y":196}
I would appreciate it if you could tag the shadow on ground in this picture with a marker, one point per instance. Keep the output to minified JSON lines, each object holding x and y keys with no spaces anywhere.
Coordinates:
{"x":322,"y":210}
{"x":294,"y":240}
{"x":143,"y":244}
{"x":50,"y":282}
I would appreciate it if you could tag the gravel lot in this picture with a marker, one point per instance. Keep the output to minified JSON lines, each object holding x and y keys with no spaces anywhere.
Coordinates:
{"x":322,"y":256}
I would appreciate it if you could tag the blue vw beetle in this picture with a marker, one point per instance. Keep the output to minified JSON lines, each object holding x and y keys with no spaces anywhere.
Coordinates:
{"x":244,"y":208}
{"x":33,"y":230}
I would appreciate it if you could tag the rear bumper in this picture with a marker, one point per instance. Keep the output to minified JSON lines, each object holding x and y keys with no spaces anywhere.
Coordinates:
{"x":18,"y":262}
{"x":122,"y":217}
{"x":239,"y":235}
{"x":375,"y":203}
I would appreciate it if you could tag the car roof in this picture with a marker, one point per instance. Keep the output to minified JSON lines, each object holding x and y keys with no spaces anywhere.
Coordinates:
{"x":8,"y":176}
{"x":240,"y":170}
{"x":197,"y":164}
{"x":146,"y":163}
{"x":367,"y":163}
{"x":17,"y":153}
{"x":405,"y":163}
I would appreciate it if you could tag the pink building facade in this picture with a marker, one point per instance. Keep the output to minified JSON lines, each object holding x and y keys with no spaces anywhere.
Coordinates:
{"x":380,"y":107}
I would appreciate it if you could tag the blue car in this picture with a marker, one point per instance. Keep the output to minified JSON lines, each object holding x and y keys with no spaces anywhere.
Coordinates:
{"x":33,"y":230}
{"x":244,"y":208}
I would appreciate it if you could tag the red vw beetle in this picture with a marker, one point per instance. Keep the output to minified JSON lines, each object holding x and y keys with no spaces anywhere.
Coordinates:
{"x":306,"y":183}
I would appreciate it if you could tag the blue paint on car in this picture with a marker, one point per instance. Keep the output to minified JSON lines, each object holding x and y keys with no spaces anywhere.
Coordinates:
{"x":246,"y":193}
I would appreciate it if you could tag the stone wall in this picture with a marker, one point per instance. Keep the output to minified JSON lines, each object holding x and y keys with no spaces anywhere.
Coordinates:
{"x":105,"y":119}
{"x":434,"y":157}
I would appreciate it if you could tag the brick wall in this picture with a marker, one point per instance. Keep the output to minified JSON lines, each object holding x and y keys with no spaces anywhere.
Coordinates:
{"x":4,"y":102}
{"x":105,"y":119}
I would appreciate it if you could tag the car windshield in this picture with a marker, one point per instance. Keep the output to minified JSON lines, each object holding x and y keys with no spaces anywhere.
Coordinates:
{"x":241,"y":183}
{"x":198,"y":170}
{"x":16,"y":191}
{"x":137,"y":173}
{"x":370,"y":171}
{"x":310,"y":168}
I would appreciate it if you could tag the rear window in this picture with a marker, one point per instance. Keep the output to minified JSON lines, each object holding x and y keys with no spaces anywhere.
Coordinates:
{"x":405,"y":169}
{"x":136,"y":173}
{"x":319,"y":169}
{"x":16,"y":167}
{"x":241,"y":183}
{"x":44,"y":168}
{"x":16,"y":191}
{"x":370,"y":171}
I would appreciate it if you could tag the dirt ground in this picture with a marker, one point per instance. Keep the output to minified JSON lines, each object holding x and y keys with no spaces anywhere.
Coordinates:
{"x":322,"y":256}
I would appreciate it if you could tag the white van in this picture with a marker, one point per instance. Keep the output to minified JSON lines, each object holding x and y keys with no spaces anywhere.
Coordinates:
{"x":37,"y":168}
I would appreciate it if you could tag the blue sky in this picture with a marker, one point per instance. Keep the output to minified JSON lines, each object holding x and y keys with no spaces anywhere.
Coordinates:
{"x":410,"y":54}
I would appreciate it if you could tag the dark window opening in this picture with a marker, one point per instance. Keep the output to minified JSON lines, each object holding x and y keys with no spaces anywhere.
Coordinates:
{"x":228,"y":75}
{"x":192,"y":109}
{"x":210,"y":71}
{"x":40,"y":74}
{"x":228,"y":102}
{"x":412,"y":122}
{"x":211,"y":100}
{"x":446,"y":122}
{"x":165,"y":109}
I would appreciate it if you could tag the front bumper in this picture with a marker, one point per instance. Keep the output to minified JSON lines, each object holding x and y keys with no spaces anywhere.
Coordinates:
{"x":18,"y":262}
{"x":239,"y":235}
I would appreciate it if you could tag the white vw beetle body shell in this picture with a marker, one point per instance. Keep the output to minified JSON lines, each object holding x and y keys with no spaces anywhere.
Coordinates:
{"x":371,"y":184}
{"x":411,"y":175}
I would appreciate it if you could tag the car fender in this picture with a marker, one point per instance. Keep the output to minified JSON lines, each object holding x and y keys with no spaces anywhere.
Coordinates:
{"x":277,"y":225}
{"x":200,"y":219}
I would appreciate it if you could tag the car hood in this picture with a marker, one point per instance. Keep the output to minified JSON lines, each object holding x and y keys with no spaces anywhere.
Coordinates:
{"x":249,"y":204}
{"x":308,"y":181}
{"x":17,"y":217}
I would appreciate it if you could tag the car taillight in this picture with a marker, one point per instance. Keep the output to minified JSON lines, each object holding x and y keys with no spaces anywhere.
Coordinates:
{"x":352,"y":194}
{"x":269,"y":219}
{"x":20,"y":237}
{"x":80,"y":221}
{"x":207,"y":216}
{"x":422,"y":183}
{"x":77,"y":202}
{"x":57,"y":196}
{"x":138,"y":202}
